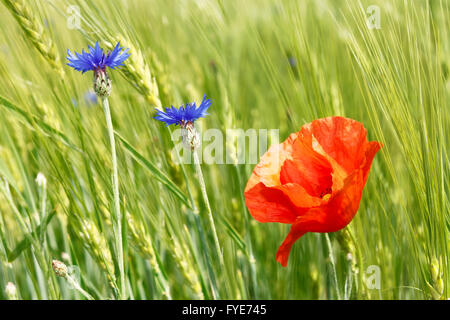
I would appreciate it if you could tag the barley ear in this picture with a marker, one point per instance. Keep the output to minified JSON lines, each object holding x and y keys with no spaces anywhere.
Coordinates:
{"x":35,"y":32}
{"x":137,"y":71}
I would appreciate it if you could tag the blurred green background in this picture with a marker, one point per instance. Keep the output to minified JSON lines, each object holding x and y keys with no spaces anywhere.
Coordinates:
{"x":265,"y":64}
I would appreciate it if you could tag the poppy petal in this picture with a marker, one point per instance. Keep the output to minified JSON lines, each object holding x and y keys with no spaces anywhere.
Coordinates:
{"x":268,"y":169}
{"x":343,"y":139}
{"x":372,"y":149}
{"x":343,"y":205}
{"x":285,"y":248}
{"x":309,"y":169}
{"x":314,"y":219}
{"x":281,"y":204}
{"x":299,"y":197}
{"x":338,"y":173}
{"x":267,"y":204}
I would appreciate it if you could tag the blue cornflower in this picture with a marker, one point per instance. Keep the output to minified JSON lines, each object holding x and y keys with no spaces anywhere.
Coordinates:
{"x":292,"y":61}
{"x":96,"y":60}
{"x":185,"y":114}
{"x":90,"y":98}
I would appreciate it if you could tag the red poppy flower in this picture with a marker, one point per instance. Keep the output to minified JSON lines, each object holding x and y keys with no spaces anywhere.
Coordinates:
{"x":313,"y":180}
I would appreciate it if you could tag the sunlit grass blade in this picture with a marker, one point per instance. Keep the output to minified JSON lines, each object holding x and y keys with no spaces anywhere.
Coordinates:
{"x":158,"y":174}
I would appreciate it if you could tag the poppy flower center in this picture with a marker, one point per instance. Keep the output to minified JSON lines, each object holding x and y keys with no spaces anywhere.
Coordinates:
{"x":326,"y":194}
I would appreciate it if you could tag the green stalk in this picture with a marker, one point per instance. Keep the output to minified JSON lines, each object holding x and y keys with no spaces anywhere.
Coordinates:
{"x":196,"y":214}
{"x":348,"y":282}
{"x":359,"y":261}
{"x":199,"y":172}
{"x":37,"y":249}
{"x":333,"y":264}
{"x":43,"y":210}
{"x":248,"y":239}
{"x":118,"y":216}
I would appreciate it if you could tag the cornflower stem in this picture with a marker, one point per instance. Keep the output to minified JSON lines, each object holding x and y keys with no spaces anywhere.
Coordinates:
{"x":333,"y":264}
{"x":77,"y":287}
{"x":195,"y":211}
{"x":199,"y":172}
{"x":118,"y":216}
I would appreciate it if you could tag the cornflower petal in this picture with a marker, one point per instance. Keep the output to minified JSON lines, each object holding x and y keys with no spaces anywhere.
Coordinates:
{"x":184,"y":114}
{"x":95,"y":59}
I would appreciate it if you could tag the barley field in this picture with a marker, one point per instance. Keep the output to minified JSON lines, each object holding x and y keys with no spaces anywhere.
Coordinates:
{"x":163,"y":229}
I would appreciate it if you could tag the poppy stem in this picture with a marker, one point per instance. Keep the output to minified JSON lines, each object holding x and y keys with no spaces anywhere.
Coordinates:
{"x":118,"y":216}
{"x":333,"y":264}
{"x":198,"y":170}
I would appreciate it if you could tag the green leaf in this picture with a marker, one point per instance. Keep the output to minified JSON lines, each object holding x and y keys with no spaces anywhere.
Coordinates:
{"x":6,"y":174}
{"x":33,"y":121}
{"x":158,"y":174}
{"x":234,"y":234}
{"x":25,"y":243}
